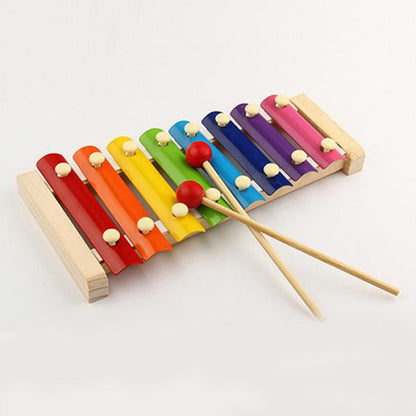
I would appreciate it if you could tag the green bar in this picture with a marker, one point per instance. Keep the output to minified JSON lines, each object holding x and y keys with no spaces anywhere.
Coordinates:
{"x":174,"y":163}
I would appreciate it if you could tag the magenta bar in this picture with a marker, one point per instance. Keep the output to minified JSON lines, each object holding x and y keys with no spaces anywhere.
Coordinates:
{"x":303,"y":133}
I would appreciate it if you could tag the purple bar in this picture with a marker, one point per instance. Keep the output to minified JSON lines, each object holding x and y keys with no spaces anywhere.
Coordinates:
{"x":271,"y":141}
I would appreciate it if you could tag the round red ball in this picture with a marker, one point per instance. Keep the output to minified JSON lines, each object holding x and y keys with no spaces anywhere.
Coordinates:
{"x":197,"y":153}
{"x":190,"y":193}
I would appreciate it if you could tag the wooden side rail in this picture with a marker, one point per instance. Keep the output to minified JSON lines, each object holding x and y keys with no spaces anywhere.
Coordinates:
{"x":81,"y":263}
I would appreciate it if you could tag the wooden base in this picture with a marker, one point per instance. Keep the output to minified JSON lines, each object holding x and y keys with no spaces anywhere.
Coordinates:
{"x":91,"y":275}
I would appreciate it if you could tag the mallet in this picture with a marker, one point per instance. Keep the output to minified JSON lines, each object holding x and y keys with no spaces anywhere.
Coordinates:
{"x":199,"y":155}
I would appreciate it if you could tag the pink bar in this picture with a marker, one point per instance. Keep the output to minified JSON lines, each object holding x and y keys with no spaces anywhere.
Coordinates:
{"x":303,"y":133}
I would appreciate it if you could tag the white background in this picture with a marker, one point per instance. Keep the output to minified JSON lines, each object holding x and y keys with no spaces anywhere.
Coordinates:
{"x":213,"y":328}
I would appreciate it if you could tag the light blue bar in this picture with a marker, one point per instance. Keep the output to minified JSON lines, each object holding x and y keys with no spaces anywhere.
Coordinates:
{"x":221,"y":164}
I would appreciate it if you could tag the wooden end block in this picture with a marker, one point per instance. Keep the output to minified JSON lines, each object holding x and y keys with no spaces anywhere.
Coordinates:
{"x":354,"y":153}
{"x":81,"y":263}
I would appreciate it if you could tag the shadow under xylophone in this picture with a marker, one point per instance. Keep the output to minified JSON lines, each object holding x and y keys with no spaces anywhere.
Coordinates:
{"x":261,"y":161}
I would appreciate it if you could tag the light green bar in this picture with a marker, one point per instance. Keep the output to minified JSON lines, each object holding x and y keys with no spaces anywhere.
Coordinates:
{"x":174,"y":163}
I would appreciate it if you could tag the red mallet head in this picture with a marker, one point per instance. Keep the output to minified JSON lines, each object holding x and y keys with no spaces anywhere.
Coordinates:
{"x":190,"y":193}
{"x":197,"y":153}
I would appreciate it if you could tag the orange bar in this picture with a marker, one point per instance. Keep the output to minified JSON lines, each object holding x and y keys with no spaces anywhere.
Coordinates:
{"x":121,"y":202}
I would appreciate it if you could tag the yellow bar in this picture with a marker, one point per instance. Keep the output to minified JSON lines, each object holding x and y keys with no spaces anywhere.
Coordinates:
{"x":154,"y":189}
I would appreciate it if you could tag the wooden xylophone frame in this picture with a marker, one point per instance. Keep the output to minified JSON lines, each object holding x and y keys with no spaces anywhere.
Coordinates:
{"x":91,"y":274}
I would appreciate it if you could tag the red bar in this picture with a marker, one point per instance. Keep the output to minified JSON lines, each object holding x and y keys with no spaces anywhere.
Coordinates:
{"x":87,"y":213}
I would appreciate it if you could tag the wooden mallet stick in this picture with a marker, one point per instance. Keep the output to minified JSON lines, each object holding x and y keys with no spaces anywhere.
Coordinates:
{"x":284,"y":239}
{"x":192,"y":194}
{"x":304,"y":248}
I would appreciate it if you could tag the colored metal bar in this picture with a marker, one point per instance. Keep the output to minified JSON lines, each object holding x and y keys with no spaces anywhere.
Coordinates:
{"x":121,"y":202}
{"x":271,"y":141}
{"x":87,"y":213}
{"x":174,"y":163}
{"x":245,"y":153}
{"x":154,"y":189}
{"x":228,"y":172}
{"x":303,"y":133}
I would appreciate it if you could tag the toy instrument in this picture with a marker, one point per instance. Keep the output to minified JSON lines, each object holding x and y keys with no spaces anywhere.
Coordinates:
{"x":125,"y":209}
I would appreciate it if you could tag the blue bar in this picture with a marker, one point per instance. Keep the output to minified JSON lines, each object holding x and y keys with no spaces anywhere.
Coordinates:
{"x":245,"y":153}
{"x":227,"y":171}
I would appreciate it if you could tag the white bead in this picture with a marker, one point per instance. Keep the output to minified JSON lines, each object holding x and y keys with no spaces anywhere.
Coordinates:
{"x":62,"y":169}
{"x":242,"y":182}
{"x":222,"y":119}
{"x":96,"y":159}
{"x":251,"y":110}
{"x":191,"y":129}
{"x":213,"y":194}
{"x":145,"y":225}
{"x":298,"y":157}
{"x":129,"y":147}
{"x":271,"y":170}
{"x":111,"y":236}
{"x":328,"y":144}
{"x":282,"y":100}
{"x":163,"y":138}
{"x":179,"y":210}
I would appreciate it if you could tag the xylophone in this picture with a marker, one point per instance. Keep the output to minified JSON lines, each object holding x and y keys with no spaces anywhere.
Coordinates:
{"x":98,"y":226}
